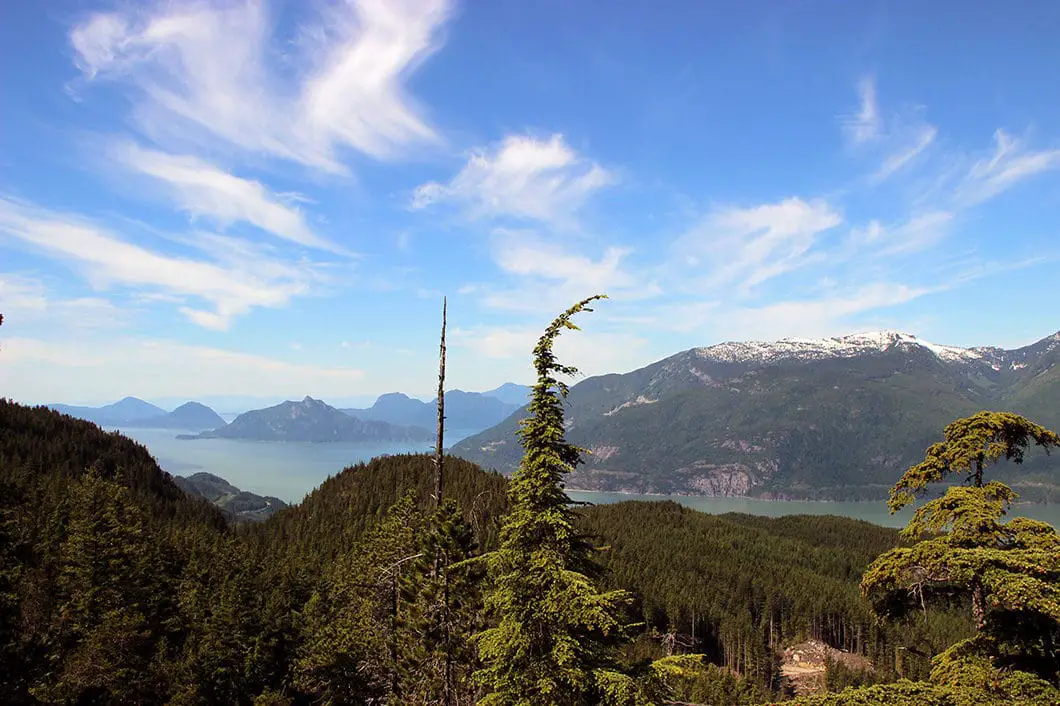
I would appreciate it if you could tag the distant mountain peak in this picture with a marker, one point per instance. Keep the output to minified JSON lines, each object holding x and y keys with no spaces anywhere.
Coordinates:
{"x":393,"y":396}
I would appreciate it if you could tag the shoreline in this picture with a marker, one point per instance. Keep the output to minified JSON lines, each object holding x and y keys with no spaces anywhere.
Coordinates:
{"x":746,"y":498}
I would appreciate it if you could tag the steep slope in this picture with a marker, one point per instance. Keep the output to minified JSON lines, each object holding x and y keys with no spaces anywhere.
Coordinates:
{"x":38,"y":442}
{"x":827,"y":418}
{"x":310,"y":420}
{"x":463,"y":410}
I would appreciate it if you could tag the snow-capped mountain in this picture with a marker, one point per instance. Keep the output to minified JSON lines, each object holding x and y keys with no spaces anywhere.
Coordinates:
{"x":838,"y":347}
{"x":829,"y":417}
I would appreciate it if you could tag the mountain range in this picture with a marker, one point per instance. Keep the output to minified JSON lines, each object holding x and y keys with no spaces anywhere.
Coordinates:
{"x":132,"y":412}
{"x":463,"y":410}
{"x":832,"y":418}
{"x":310,"y":420}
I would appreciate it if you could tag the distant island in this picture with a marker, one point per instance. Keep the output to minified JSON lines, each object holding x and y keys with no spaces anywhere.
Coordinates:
{"x":310,"y":420}
{"x":239,"y":504}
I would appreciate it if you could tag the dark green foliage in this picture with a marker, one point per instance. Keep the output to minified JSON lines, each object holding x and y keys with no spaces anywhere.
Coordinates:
{"x":115,"y":587}
{"x":711,"y":684}
{"x":969,"y":682}
{"x":555,"y":635}
{"x":35,"y":441}
{"x":350,"y":651}
{"x":918,"y":693}
{"x":971,"y":444}
{"x":337,"y":513}
{"x":441,"y":611}
{"x":746,"y":586}
{"x":1010,"y":571}
{"x":109,"y":599}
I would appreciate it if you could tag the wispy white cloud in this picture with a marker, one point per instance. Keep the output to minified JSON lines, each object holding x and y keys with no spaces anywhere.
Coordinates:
{"x":214,"y":70}
{"x":237,"y":279}
{"x":546,"y":275}
{"x":865,"y":125}
{"x":897,"y":140}
{"x":92,"y":368}
{"x":1010,"y":163}
{"x":745,"y":247}
{"x":202,"y":189}
{"x":26,"y":303}
{"x":922,"y":139}
{"x":917,"y":233}
{"x":592,"y":351}
{"x":524,"y":178}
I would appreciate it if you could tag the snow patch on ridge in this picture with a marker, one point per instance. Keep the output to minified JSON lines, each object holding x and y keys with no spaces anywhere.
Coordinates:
{"x":641,"y":399}
{"x":834,"y":347}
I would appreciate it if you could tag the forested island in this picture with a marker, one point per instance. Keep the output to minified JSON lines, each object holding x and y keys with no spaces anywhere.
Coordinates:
{"x":309,"y":420}
{"x":424,"y":579}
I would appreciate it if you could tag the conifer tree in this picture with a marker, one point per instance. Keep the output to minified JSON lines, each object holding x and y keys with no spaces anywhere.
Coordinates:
{"x":13,"y":555}
{"x":108,"y":600}
{"x":1010,"y":570}
{"x":556,"y":632}
{"x":349,"y":642}
{"x":439,"y":615}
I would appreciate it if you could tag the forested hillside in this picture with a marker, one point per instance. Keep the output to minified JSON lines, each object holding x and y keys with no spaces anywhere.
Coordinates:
{"x":208,"y":614}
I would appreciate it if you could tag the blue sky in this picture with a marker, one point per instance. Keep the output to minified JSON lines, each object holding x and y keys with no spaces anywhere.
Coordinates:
{"x":243,"y":199}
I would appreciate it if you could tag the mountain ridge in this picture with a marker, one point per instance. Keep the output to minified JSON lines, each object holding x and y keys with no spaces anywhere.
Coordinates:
{"x":463,"y":410}
{"x":133,"y":412}
{"x":832,"y":418}
{"x":127,"y":409}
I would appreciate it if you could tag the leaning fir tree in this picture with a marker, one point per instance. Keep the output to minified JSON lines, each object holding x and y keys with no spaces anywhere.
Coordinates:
{"x":1007,"y":571}
{"x":556,"y":633}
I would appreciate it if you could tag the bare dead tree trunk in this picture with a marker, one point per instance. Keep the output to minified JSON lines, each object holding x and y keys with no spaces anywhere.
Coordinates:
{"x":439,"y":459}
{"x":441,"y":562}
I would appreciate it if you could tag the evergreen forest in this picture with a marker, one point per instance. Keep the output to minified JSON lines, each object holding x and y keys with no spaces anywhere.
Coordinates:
{"x":423,"y":579}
